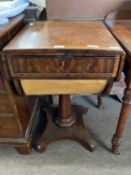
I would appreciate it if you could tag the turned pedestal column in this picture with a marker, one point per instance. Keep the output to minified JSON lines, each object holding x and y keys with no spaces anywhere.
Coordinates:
{"x":65,"y":122}
{"x":65,"y":117}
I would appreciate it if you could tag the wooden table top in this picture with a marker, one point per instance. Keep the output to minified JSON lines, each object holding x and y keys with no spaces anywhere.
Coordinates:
{"x":122,"y":31}
{"x":64,"y":35}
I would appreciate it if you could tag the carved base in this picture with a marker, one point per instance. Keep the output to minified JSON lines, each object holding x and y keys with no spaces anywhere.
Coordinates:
{"x":65,"y":122}
{"x":76,"y":132}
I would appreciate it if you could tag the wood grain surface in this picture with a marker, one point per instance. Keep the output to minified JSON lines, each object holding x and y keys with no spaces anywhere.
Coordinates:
{"x":122,"y":31}
{"x":86,"y":35}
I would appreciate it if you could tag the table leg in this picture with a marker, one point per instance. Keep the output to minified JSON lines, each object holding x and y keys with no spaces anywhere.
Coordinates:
{"x":106,"y":92}
{"x":126,"y":107}
{"x":65,"y":123}
{"x":100,"y":101}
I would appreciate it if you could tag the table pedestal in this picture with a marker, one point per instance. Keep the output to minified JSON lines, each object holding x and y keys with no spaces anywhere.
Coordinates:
{"x":65,"y":123}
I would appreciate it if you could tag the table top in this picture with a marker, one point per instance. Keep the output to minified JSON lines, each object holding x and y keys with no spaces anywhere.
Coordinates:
{"x":122,"y":31}
{"x":92,"y":35}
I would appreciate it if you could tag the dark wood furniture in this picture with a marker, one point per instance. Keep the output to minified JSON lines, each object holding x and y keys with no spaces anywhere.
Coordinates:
{"x":121,"y":29}
{"x":16,"y":112}
{"x":64,"y":57}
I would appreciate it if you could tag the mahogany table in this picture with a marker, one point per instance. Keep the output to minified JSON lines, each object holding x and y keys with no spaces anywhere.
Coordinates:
{"x":121,"y":29}
{"x":17,"y":113}
{"x":63,"y":58}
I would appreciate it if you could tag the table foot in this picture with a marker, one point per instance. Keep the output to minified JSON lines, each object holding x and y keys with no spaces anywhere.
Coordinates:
{"x":41,"y":148}
{"x":76,"y":132}
{"x":116,"y":152}
{"x":115,"y":145}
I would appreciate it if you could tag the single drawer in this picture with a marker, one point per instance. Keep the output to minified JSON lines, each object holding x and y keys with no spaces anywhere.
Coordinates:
{"x":5,"y":105}
{"x":40,"y":64}
{"x":9,"y":127}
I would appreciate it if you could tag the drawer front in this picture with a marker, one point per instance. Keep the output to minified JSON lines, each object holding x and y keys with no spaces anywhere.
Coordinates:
{"x":5,"y":105}
{"x":9,"y":127}
{"x":62,"y":65}
{"x":20,"y":65}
